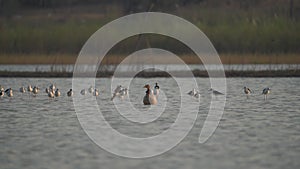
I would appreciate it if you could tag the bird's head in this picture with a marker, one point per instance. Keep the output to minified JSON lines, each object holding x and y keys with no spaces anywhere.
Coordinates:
{"x":147,"y":86}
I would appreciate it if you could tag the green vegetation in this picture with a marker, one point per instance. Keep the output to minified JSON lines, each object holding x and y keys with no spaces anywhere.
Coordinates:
{"x":235,"y":28}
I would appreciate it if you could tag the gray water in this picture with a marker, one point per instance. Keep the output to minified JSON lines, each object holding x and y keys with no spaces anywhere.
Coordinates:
{"x":38,"y":132}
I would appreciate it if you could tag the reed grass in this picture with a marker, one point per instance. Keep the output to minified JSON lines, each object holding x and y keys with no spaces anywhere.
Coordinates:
{"x":116,"y":59}
{"x":253,"y":36}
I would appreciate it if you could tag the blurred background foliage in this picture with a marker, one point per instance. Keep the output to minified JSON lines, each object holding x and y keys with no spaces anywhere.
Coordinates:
{"x":233,"y":26}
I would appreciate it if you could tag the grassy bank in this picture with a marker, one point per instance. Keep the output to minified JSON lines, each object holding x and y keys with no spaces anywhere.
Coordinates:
{"x":262,"y":29}
{"x":261,"y":34}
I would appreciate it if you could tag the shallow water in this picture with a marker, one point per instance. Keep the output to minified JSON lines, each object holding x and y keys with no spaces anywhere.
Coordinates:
{"x":38,"y":132}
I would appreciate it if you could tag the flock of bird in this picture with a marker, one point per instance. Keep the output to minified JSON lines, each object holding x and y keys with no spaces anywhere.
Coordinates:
{"x":51,"y":91}
{"x":150,"y":98}
{"x":247,"y":91}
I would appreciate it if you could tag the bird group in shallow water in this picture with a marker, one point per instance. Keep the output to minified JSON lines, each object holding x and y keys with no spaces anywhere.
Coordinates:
{"x":150,"y":98}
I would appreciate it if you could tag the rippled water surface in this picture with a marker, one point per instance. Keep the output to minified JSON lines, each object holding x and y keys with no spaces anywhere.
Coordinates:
{"x":38,"y":132}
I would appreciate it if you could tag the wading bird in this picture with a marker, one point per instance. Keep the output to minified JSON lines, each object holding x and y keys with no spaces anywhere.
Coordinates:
{"x":70,"y":93}
{"x":57,"y":93}
{"x":96,"y":92}
{"x":29,"y":88}
{"x":22,"y":89}
{"x":156,"y":89}
{"x":35,"y":90}
{"x":265,"y":92}
{"x":117,"y":91}
{"x":9,"y":92}
{"x":83,"y":92}
{"x":50,"y":94}
{"x":149,"y":98}
{"x":247,"y":91}
{"x":1,"y":93}
{"x":90,"y":89}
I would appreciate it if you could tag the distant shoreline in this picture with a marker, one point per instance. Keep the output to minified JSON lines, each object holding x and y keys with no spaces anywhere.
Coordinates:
{"x":196,"y":73}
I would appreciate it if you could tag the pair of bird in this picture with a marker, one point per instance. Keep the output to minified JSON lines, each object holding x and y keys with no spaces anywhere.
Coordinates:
{"x":8,"y":92}
{"x":35,"y":90}
{"x":120,"y":92}
{"x":196,"y":93}
{"x":151,"y":96}
{"x":265,"y":92}
{"x":91,"y":90}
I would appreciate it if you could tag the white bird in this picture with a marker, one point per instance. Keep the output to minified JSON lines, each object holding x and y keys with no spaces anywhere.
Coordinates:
{"x":265,"y":92}
{"x":90,"y":89}
{"x":83,"y":92}
{"x":149,"y":98}
{"x":57,"y":93}
{"x":156,"y":89}
{"x":9,"y":92}
{"x":123,"y":93}
{"x":35,"y":90}
{"x":215,"y":92}
{"x":96,"y":92}
{"x":22,"y":89}
{"x":116,"y":91}
{"x":29,"y":88}
{"x":50,"y":94}
{"x":70,"y":93}
{"x":194,"y":93}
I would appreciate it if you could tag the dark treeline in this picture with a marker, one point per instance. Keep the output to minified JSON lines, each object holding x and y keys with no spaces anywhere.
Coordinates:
{"x":233,"y":26}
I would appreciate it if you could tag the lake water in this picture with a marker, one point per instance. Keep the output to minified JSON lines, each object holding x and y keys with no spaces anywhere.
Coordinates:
{"x":38,"y":132}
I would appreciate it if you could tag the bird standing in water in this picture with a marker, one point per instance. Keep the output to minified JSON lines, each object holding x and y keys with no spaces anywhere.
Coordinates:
{"x":194,"y":93}
{"x":83,"y":92}
{"x":156,"y":89}
{"x":117,"y":91}
{"x":29,"y":88}
{"x":149,"y":98}
{"x":247,"y":91}
{"x":9,"y":92}
{"x":96,"y":92}
{"x":57,"y":93}
{"x":22,"y":89}
{"x":70,"y":93}
{"x":265,"y":92}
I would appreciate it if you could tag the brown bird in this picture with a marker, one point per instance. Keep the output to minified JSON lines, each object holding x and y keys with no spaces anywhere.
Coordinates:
{"x":149,"y":98}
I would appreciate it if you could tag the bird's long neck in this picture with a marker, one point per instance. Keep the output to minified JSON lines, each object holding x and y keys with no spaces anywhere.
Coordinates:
{"x":148,"y":91}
